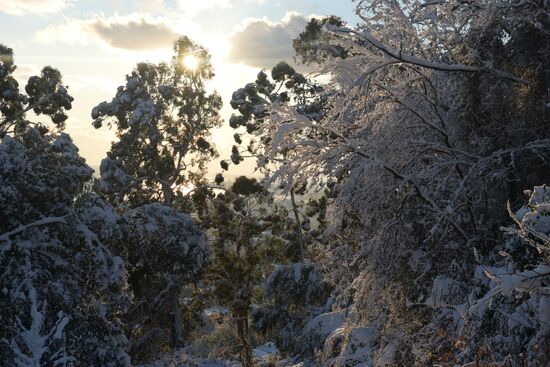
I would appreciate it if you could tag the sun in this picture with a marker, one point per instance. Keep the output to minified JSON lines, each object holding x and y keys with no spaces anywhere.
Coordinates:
{"x":190,"y":62}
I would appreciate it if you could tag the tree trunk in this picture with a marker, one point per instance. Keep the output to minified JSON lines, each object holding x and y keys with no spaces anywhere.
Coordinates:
{"x":177,"y":321}
{"x":168,"y":194}
{"x":241,"y":319}
{"x":298,"y":225}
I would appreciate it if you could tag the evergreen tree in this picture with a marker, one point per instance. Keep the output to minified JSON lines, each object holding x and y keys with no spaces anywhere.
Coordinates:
{"x":62,"y":289}
{"x":248,"y":235}
{"x":164,"y":117}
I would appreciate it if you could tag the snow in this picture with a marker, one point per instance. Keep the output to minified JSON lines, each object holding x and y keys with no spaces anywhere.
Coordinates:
{"x":524,"y":281}
{"x":321,"y":326}
{"x":64,"y":144}
{"x":266,"y":352}
{"x":112,"y":176}
{"x":216,"y":311}
{"x":538,"y":217}
{"x":411,"y":59}
{"x":299,"y":282}
{"x":445,"y":291}
{"x":180,"y":358}
{"x":42,"y":222}
{"x":387,"y":356}
{"x":33,"y":343}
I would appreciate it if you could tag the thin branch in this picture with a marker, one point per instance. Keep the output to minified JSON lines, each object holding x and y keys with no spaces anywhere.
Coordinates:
{"x":41,"y":222}
{"x":365,"y":35}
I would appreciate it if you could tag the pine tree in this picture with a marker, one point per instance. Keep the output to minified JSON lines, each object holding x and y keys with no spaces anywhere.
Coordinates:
{"x":248,"y":235}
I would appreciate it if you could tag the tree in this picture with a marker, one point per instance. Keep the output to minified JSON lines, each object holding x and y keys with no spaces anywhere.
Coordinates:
{"x":45,"y":96}
{"x":62,"y":289}
{"x":431,"y":121}
{"x":314,"y":45}
{"x":292,"y":294}
{"x":518,"y":292}
{"x":164,"y":250}
{"x":287,"y":88}
{"x":163,"y":116}
{"x":248,"y":234}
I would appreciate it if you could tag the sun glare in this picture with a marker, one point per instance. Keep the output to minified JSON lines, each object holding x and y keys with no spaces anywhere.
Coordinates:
{"x":190,"y":62}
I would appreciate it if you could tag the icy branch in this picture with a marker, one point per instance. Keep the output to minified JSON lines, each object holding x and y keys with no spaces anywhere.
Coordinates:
{"x":410,"y":59}
{"x":407,"y":179}
{"x":41,"y":222}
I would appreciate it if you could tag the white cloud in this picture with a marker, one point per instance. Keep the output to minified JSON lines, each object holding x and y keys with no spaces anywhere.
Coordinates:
{"x":194,"y":7}
{"x":262,"y":43}
{"x":25,"y":71}
{"x":136,"y":32}
{"x":79,"y":83}
{"x":152,"y":6}
{"x":22,"y":7}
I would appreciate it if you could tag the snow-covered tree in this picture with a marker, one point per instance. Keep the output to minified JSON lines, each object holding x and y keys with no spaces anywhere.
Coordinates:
{"x":34,"y":346}
{"x":286,"y":87}
{"x":289,"y":88}
{"x":163,"y":117}
{"x":165,"y":251}
{"x":517,"y":303}
{"x":292,"y":293}
{"x":247,"y":236}
{"x":62,"y":289}
{"x":45,"y":95}
{"x":432,"y":118}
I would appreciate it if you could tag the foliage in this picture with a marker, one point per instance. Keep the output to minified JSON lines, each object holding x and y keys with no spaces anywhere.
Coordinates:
{"x":314,"y":45}
{"x":432,"y":120}
{"x":293,"y":293}
{"x":62,"y":289}
{"x":163,"y":116}
{"x":164,"y":251}
{"x":45,"y":95}
{"x":518,"y":299}
{"x":247,"y":236}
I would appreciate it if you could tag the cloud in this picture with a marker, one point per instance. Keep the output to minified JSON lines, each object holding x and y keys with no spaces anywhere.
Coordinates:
{"x":194,"y":7}
{"x":80,"y":83}
{"x":262,"y":43}
{"x":136,"y":32}
{"x":23,"y":7}
{"x":23,"y":72}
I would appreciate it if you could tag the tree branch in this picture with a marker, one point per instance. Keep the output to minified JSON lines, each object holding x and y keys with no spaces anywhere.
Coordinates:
{"x":41,"y":222}
{"x":365,"y":35}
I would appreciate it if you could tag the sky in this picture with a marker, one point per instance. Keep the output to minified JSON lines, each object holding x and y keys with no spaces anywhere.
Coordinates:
{"x":96,"y":43}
